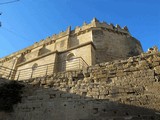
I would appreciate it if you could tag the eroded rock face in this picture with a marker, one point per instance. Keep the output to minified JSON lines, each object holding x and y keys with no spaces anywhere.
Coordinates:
{"x":121,"y":89}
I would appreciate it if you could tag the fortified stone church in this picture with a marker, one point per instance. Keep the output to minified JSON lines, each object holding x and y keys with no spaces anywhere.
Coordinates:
{"x":94,"y":72}
{"x":84,"y":46}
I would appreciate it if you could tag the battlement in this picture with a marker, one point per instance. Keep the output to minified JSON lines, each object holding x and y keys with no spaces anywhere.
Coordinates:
{"x":104,"y":25}
{"x":96,"y":71}
{"x":84,"y":28}
{"x":95,"y":43}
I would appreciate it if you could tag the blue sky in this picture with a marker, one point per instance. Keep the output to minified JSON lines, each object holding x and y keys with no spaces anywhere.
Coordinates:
{"x":28,"y":21}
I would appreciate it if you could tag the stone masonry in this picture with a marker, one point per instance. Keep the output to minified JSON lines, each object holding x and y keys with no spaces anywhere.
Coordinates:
{"x":119,"y":90}
{"x":114,"y":79}
{"x":101,"y":42}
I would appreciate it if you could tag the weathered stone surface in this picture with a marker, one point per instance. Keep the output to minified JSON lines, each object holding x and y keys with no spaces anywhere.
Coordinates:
{"x":89,"y":44}
{"x":116,"y":90}
{"x":112,"y":91}
{"x":157,"y":69}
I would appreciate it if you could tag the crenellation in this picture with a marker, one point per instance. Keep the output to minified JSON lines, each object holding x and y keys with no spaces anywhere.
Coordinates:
{"x":84,"y":23}
{"x":95,"y":22}
{"x":125,"y":28}
{"x":78,"y":30}
{"x":101,"y":42}
{"x":54,"y":37}
{"x":110,"y":26}
{"x":118,"y":26}
{"x":68,"y":30}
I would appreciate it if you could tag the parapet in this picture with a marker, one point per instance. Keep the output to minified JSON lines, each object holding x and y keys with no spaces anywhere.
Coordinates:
{"x":110,"y":26}
{"x":95,"y":23}
{"x":48,"y":40}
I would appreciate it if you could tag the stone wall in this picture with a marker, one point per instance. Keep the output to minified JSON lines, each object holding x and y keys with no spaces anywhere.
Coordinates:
{"x":112,"y":45}
{"x":107,"y":42}
{"x":4,"y":115}
{"x":117,"y":90}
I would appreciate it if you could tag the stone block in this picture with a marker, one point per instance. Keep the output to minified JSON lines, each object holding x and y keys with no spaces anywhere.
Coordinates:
{"x":31,"y":98}
{"x":157,"y":69}
{"x":155,"y":63}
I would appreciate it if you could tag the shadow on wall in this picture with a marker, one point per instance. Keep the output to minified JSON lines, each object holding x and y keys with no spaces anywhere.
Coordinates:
{"x":42,"y":101}
{"x":10,"y":92}
{"x":123,"y":90}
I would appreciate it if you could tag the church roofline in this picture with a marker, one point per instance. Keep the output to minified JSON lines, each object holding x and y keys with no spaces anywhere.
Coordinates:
{"x":95,"y":23}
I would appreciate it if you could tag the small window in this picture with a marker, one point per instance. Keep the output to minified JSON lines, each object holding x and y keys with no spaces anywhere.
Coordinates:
{"x":34,"y":66}
{"x":21,"y":59}
{"x":43,"y":50}
{"x":70,"y":56}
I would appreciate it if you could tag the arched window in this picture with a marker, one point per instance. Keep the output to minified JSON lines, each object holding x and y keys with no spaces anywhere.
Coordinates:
{"x":70,"y":57}
{"x":43,"y":50}
{"x":21,"y":59}
{"x":35,"y":65}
